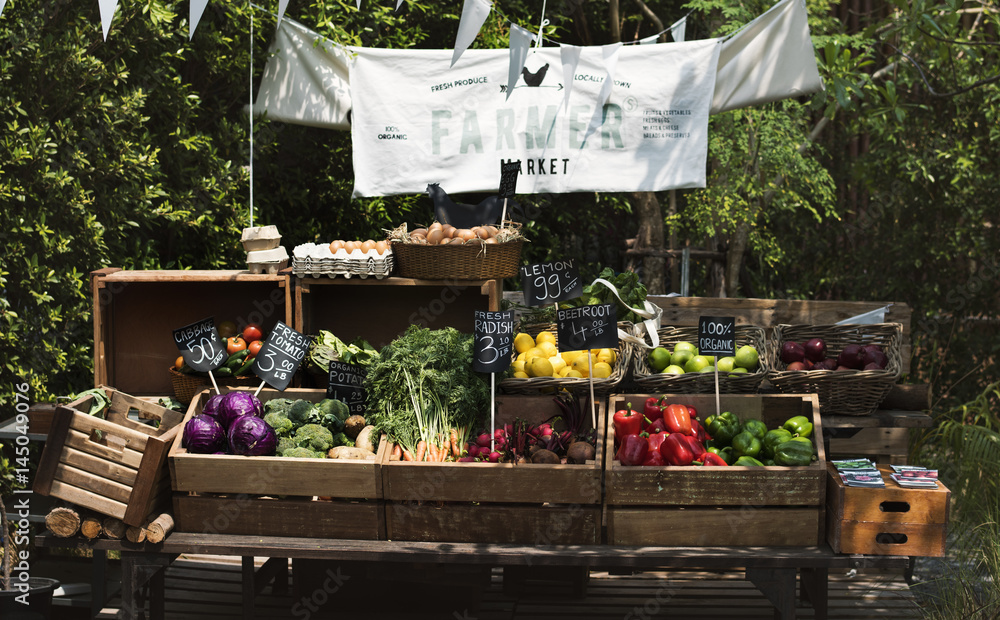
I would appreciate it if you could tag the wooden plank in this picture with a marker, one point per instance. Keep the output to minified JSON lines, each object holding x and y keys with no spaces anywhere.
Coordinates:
{"x":146,"y":488}
{"x":113,"y":435}
{"x":875,"y":538}
{"x":83,"y":443}
{"x":908,"y":397}
{"x":883,"y":418}
{"x":58,"y":437}
{"x":737,"y":527}
{"x":98,"y":466}
{"x":497,"y":523}
{"x":891,"y":504}
{"x":87,"y":499}
{"x":189,"y":275}
{"x":86,"y":480}
{"x":873,"y":441}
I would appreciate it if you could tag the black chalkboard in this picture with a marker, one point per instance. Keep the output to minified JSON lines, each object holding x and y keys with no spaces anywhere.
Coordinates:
{"x":587,"y":327}
{"x":546,"y":283}
{"x":346,"y":382}
{"x":200,"y":345}
{"x":508,"y":178}
{"x":494,"y":341}
{"x":717,"y":335}
{"x":283,"y":351}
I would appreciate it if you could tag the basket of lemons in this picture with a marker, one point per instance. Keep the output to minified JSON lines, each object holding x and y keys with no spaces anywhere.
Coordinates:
{"x":540,"y":366}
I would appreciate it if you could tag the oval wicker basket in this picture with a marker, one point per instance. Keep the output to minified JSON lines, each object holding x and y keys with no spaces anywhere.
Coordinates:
{"x":702,"y":382}
{"x":841,"y":392}
{"x":486,"y":261}
{"x":187,"y":386}
{"x":536,"y":385}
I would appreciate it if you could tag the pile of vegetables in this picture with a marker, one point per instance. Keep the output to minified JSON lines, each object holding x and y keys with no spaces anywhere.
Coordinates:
{"x":423,"y":394}
{"x":326,"y":348}
{"x":632,"y":291}
{"x":319,"y":430}
{"x":230,"y":423}
{"x":671,"y":434}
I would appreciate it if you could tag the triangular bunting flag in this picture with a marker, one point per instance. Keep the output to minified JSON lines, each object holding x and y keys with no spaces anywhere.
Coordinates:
{"x":677,"y":29}
{"x":282,"y":5}
{"x":570,"y":56}
{"x":3,"y":3}
{"x":648,"y":40}
{"x":399,"y":3}
{"x":107,"y":14}
{"x":194,"y":15}
{"x":520,"y":42}
{"x":474,"y":14}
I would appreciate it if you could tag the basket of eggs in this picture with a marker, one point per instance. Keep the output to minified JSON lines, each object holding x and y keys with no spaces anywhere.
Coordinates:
{"x":343,"y":258}
{"x":443,"y":252}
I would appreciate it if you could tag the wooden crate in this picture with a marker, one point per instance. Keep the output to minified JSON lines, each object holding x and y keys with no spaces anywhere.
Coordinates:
{"x":886,"y":521}
{"x":116,"y":466}
{"x":497,"y":502}
{"x":381,"y":310}
{"x":276,"y":496}
{"x":135,"y":313}
{"x":727,"y":506}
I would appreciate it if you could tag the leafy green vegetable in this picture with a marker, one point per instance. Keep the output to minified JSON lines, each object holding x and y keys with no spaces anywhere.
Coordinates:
{"x":330,"y":413}
{"x":326,"y":348}
{"x":630,"y":289}
{"x":99,"y":404}
{"x":422,"y":384}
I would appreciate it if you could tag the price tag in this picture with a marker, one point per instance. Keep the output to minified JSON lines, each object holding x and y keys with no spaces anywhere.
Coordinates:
{"x":508,"y":178}
{"x":494,"y":341}
{"x":283,"y":351}
{"x":546,"y":283}
{"x":200,"y":346}
{"x":717,"y":335}
{"x":587,"y":327}
{"x":346,"y":382}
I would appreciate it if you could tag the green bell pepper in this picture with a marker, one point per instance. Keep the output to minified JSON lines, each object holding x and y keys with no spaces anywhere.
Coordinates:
{"x":756,"y":428}
{"x":768,"y":462}
{"x":796,"y":452}
{"x":747,"y":461}
{"x":745,"y":444}
{"x":772,"y":439}
{"x":799,"y":425}
{"x":724,"y":427}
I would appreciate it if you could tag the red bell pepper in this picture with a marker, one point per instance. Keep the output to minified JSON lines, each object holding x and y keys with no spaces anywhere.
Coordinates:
{"x":677,"y":419}
{"x":657,"y":426}
{"x":653,"y":459}
{"x":697,"y":448}
{"x":675,"y":450}
{"x":654,"y":440}
{"x":633,"y":449}
{"x":699,"y":431}
{"x":627,"y":422}
{"x":710,"y":459}
{"x":652,"y":409}
{"x":692,"y":412}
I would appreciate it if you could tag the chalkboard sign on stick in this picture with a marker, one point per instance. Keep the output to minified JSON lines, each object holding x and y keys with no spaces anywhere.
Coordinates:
{"x":346,"y":383}
{"x":508,"y":178}
{"x":200,"y":345}
{"x":587,"y":327}
{"x":717,"y":335}
{"x":283,"y":351}
{"x":494,"y":341}
{"x":546,"y":283}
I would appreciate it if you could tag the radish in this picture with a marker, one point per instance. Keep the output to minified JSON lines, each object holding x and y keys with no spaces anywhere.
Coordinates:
{"x":494,"y":457}
{"x":484,"y":440}
{"x":473,"y":450}
{"x":467,"y":459}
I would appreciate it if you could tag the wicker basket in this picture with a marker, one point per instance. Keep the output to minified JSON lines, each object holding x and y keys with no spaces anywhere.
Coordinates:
{"x":841,"y":392}
{"x":187,"y":386}
{"x":459,"y":261}
{"x":536,"y":385}
{"x":702,"y":382}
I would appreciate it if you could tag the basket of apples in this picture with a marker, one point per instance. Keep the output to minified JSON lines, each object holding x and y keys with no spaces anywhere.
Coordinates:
{"x":851,"y":367}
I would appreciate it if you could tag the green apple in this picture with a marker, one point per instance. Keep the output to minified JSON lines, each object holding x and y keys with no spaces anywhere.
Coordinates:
{"x":697,"y":363}
{"x":681,"y":357}
{"x":685,"y":346}
{"x":658,"y":359}
{"x":708,"y":368}
{"x":726,"y":364}
{"x":739,"y":370}
{"x":673,"y":370}
{"x":747,"y":357}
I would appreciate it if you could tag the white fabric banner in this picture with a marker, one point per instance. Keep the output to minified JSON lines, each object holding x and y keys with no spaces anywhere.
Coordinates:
{"x":305,"y":80}
{"x":416,"y":120}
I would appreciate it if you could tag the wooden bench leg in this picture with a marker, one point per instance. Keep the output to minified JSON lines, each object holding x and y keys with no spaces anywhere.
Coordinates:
{"x":138,"y":569}
{"x":778,"y":586}
{"x":815,"y":589}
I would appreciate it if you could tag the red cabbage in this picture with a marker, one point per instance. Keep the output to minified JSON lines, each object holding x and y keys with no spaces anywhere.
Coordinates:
{"x":203,"y":435}
{"x":236,"y":404}
{"x":211,"y":406}
{"x":252,"y":436}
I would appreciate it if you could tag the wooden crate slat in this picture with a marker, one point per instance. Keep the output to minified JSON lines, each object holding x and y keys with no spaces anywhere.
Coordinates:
{"x":98,"y":466}
{"x":82,"y":442}
{"x":132,"y":439}
{"x":696,"y":526}
{"x":70,"y":475}
{"x":83,"y":497}
{"x":500,"y":523}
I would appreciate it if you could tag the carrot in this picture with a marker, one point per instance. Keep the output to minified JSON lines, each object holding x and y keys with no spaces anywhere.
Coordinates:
{"x":421,"y":449}
{"x":445,"y":452}
{"x":456,"y":450}
{"x":397,"y":453}
{"x":407,"y":455}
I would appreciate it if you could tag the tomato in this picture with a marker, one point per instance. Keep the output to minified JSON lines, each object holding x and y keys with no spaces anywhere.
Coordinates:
{"x":226,"y":329}
{"x":179,"y":362}
{"x":252,"y":332}
{"x":254,"y":347}
{"x":234,"y":344}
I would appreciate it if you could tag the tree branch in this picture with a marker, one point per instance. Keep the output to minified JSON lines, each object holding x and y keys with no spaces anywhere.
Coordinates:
{"x":648,"y":12}
{"x":930,"y":89}
{"x":956,"y":41}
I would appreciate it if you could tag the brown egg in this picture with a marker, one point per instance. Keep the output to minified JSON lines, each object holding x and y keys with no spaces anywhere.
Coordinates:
{"x":435,"y":235}
{"x":464,"y":234}
{"x":350,"y":246}
{"x":336,"y":245}
{"x":490,"y":240}
{"x":381,"y":247}
{"x":492,"y":230}
{"x":480,"y":232}
{"x":449,"y":230}
{"x":434,"y":226}
{"x":367,"y":245}
{"x":419,"y":231}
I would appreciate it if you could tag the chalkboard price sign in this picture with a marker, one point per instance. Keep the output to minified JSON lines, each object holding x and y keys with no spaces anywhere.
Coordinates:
{"x":283,"y":351}
{"x":587,"y":327}
{"x":508,"y":178}
{"x":546,"y":283}
{"x":200,"y":346}
{"x":717,"y":335}
{"x":494,"y":341}
{"x":347,"y":383}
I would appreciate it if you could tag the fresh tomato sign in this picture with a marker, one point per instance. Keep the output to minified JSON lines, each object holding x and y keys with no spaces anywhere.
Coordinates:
{"x":280,"y":356}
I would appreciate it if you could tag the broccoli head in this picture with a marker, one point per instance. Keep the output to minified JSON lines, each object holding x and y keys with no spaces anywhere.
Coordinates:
{"x":300,"y":411}
{"x":341,"y":439}
{"x":284,"y":445}
{"x":330,"y":413}
{"x":278,"y":420}
{"x":314,"y":436}
{"x":278,"y":404}
{"x":303,"y":453}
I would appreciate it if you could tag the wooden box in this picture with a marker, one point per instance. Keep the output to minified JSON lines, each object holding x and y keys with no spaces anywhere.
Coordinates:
{"x":497,"y":502}
{"x":381,"y":310}
{"x":276,"y":496}
{"x":116,"y":466}
{"x":886,"y":521}
{"x":135,"y":313}
{"x":718,"y":506}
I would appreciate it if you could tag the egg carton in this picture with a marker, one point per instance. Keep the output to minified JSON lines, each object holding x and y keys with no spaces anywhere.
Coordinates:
{"x":315,"y":260}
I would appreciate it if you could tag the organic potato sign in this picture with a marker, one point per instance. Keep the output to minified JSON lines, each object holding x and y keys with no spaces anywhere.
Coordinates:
{"x":494,"y":341}
{"x":346,"y":383}
{"x":545,"y":283}
{"x":587,"y":327}
{"x":717,"y":335}
{"x":200,"y":345}
{"x":280,"y":356}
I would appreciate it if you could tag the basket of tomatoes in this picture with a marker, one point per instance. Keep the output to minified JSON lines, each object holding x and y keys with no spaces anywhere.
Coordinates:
{"x":241,"y":348}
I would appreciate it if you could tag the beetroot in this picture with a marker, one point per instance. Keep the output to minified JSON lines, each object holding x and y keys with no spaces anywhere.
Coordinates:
{"x":851,"y":356}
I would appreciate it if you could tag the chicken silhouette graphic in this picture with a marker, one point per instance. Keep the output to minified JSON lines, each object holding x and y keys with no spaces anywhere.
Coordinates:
{"x":534,"y":79}
{"x":461,"y":215}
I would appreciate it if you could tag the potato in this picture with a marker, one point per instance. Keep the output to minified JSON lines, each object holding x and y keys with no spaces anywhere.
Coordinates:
{"x":353,"y":426}
{"x":364,"y":439}
{"x":354,"y":454}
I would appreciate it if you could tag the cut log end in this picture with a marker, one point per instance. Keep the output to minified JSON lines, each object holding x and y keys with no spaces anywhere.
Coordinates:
{"x":113,"y":528}
{"x":63,"y":522}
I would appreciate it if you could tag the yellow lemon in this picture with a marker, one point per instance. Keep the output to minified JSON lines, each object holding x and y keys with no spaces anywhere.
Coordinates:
{"x":539,"y":367}
{"x":517,"y":365}
{"x":582,"y":364}
{"x":520,"y":375}
{"x":564,"y":371}
{"x":602,"y":370}
{"x":533,"y":352}
{"x":548,"y":348}
{"x":574,"y":374}
{"x":607,"y":356}
{"x":523,"y":342}
{"x":569,"y":356}
{"x":520,"y":357}
{"x":558,"y":363}
{"x":545,"y":337}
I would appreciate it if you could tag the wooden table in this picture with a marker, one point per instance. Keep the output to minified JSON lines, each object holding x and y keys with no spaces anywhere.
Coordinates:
{"x":771,"y":569}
